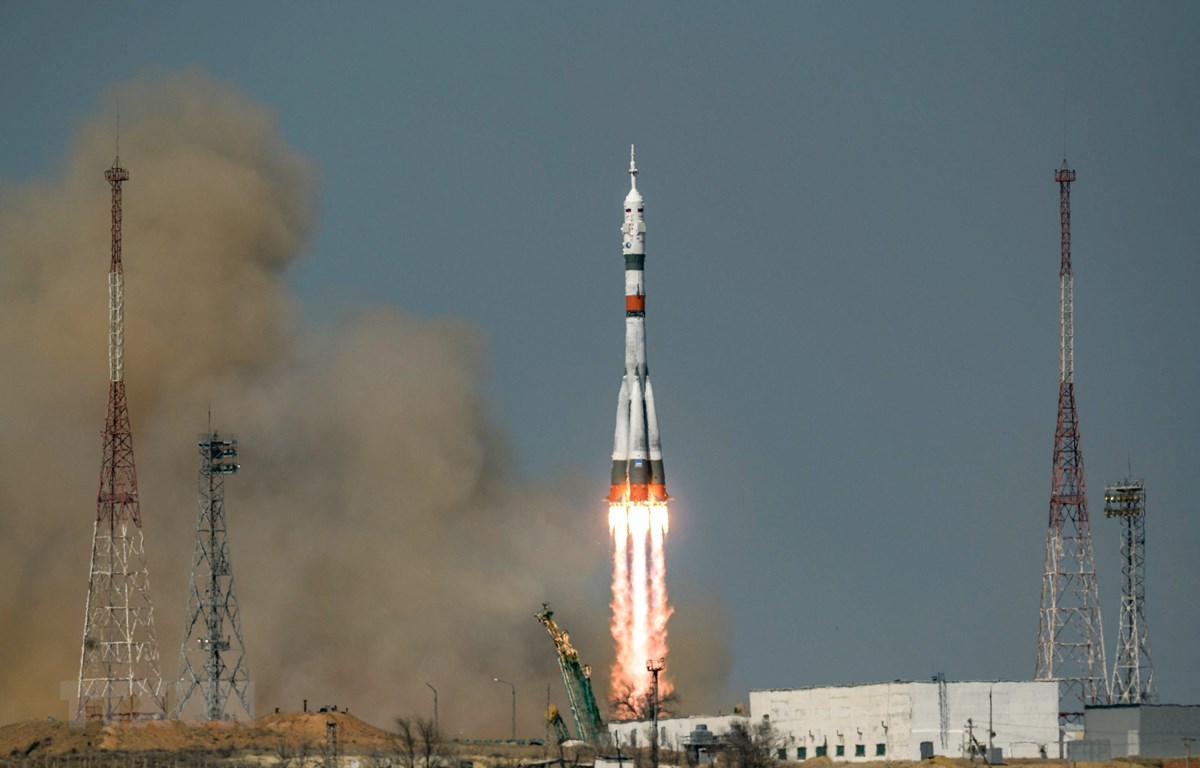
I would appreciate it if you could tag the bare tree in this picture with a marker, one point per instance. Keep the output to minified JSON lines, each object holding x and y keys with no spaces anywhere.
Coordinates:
{"x":624,"y":704}
{"x":405,"y":743}
{"x":285,"y":753}
{"x":420,"y":745}
{"x":749,"y":746}
{"x":291,"y":755}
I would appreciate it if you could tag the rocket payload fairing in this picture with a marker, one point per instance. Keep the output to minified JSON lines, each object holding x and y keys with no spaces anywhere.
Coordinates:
{"x":637,"y":466}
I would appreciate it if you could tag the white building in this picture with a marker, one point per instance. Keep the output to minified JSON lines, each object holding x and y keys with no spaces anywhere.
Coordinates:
{"x":896,"y":720}
{"x":673,"y":732}
{"x":1140,"y":730}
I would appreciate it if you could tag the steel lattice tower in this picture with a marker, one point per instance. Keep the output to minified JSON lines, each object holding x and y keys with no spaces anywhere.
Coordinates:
{"x":1133,"y":672}
{"x":209,"y":659}
{"x":118,"y":665}
{"x":1070,"y":635}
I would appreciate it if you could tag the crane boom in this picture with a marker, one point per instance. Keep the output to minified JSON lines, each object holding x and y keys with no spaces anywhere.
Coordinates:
{"x":577,"y":678}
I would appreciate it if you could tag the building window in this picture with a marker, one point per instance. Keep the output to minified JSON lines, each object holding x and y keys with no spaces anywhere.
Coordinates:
{"x":782,"y":753}
{"x":860,"y":750}
{"x":801,"y":753}
{"x":841,"y":750}
{"x":880,"y":750}
{"x":822,"y":750}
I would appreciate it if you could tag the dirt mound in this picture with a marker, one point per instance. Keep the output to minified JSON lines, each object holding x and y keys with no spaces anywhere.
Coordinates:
{"x":310,"y":728}
{"x":47,"y":737}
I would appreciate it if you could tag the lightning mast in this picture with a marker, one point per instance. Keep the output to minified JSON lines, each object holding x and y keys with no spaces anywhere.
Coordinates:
{"x":1070,"y":636}
{"x":118,"y":666}
{"x":210,"y":660}
{"x":1133,"y":672}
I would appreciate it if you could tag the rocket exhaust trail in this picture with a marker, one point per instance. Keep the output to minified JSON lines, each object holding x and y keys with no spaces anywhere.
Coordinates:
{"x":618,"y":525}
{"x":637,"y":497}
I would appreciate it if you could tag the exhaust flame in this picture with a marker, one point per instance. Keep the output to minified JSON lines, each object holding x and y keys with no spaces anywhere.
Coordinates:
{"x":640,"y":608}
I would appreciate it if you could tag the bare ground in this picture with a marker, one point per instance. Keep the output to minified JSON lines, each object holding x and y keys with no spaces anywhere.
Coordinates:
{"x":298,"y":740}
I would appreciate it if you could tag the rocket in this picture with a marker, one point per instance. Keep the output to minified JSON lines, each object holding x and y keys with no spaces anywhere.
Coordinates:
{"x":637,"y":463}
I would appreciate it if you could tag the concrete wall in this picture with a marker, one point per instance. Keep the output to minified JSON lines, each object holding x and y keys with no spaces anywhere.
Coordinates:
{"x":873,"y":721}
{"x":1116,"y":725}
{"x":1146,"y":730}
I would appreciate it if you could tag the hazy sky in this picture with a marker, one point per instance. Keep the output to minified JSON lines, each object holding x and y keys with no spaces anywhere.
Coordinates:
{"x":852,"y":273}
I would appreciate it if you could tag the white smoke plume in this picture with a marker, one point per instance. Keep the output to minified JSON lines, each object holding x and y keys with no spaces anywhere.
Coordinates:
{"x":380,"y":539}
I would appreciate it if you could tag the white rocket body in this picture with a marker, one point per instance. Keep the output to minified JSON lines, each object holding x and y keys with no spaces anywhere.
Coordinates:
{"x":637,"y":465}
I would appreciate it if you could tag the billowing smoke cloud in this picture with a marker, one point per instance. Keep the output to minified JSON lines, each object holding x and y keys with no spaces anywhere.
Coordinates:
{"x":379,"y":537}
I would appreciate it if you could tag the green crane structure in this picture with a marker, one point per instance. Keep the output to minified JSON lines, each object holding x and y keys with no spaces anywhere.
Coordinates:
{"x":578,"y":681}
{"x":560,"y":728}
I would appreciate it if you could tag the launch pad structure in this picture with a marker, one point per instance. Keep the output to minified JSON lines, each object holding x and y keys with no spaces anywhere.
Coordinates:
{"x":577,"y":679}
{"x":212,"y":655}
{"x":119,"y":677}
{"x":1133,"y":671}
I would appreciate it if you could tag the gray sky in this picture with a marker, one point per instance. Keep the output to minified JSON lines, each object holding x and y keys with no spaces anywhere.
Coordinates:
{"x":852,"y":273}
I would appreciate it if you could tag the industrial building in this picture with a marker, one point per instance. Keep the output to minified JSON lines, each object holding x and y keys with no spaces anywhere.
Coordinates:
{"x":906,"y":720}
{"x":1142,"y":730}
{"x":674,"y":733}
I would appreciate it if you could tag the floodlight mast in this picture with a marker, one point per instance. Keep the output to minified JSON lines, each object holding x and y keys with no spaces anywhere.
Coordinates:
{"x":1133,"y":670}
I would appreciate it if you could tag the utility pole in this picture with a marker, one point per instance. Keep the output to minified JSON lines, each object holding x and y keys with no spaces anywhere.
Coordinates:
{"x":1187,"y":742}
{"x":514,"y":705}
{"x":991,"y":732}
{"x":654,"y":666}
{"x":435,"y":707}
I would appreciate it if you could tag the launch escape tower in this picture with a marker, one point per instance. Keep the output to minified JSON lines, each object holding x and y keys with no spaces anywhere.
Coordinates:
{"x":118,"y":665}
{"x":1133,"y":672}
{"x":577,"y":679}
{"x":210,"y":660}
{"x":1070,"y":636}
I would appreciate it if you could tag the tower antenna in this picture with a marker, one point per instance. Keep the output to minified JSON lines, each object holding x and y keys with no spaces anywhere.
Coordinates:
{"x":1070,"y":636}
{"x":212,"y":656}
{"x":118,"y":665}
{"x":1064,"y":137}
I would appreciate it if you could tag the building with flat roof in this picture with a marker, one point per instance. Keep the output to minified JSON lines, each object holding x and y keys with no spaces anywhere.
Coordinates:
{"x":909,"y":720}
{"x":1143,"y":730}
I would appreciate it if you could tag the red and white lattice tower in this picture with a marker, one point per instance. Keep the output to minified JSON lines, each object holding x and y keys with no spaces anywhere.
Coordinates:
{"x":1070,"y":635}
{"x":118,"y":666}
